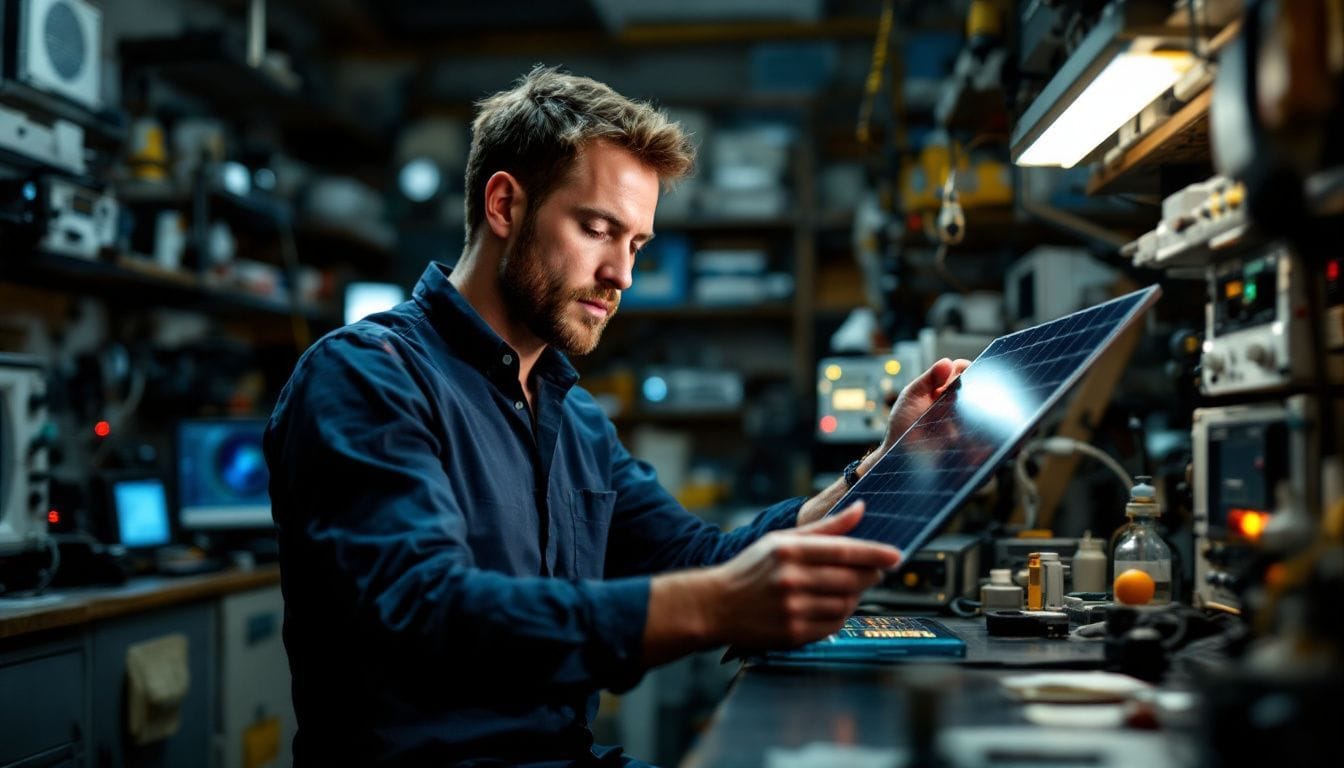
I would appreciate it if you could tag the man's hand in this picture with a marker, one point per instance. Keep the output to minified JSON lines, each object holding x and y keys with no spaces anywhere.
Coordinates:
{"x":918,"y":396}
{"x":914,"y":400}
{"x":788,"y":588}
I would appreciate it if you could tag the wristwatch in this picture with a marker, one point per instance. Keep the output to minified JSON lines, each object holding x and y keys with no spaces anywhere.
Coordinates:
{"x":852,"y":473}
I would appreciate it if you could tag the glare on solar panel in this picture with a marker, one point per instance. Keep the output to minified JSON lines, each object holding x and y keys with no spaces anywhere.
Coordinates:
{"x":953,"y":447}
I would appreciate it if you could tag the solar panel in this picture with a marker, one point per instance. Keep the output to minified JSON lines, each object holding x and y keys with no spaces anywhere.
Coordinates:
{"x":953,"y":447}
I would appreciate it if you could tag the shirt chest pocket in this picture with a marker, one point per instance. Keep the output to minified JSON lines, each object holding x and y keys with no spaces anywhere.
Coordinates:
{"x":591,"y":517}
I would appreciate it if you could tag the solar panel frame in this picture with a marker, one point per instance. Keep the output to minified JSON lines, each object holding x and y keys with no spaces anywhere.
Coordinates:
{"x":913,"y":529}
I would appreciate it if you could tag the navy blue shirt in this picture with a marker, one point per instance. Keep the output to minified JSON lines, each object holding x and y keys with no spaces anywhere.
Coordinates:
{"x":462,"y":573}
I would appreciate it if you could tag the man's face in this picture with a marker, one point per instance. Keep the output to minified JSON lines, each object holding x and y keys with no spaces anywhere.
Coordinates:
{"x":563,"y":273}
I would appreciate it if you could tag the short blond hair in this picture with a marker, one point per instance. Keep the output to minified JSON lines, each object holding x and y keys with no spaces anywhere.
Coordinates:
{"x":536,"y":129}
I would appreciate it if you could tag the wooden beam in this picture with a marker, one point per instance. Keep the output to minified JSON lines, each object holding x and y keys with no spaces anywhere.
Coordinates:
{"x":1085,"y":410}
{"x":633,"y":37}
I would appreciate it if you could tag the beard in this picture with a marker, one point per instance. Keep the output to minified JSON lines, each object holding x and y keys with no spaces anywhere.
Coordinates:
{"x":538,"y":297}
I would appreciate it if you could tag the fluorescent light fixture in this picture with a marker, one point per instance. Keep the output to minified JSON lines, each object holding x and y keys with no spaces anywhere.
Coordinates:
{"x":1128,"y":59}
{"x":1128,"y":84}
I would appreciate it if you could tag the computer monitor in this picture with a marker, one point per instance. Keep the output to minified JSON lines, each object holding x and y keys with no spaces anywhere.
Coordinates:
{"x":222,"y":481}
{"x":140,"y":512}
{"x":363,"y":299}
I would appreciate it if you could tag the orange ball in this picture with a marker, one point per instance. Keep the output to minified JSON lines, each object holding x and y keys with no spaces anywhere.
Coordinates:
{"x":1134,"y":587}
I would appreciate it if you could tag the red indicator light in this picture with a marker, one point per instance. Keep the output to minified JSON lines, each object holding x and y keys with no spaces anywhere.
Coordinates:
{"x":102,"y":429}
{"x":54,"y":516}
{"x":828,"y":424}
{"x":1332,"y":270}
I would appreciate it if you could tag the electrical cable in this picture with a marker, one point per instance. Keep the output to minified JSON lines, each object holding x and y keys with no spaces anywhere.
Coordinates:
{"x":122,"y":415}
{"x":1057,"y":446}
{"x":872,"y":84}
{"x":289,"y":252}
{"x":45,"y":575}
{"x":1196,"y":31}
{"x":964,"y":607}
{"x":53,"y":565}
{"x":940,"y":264}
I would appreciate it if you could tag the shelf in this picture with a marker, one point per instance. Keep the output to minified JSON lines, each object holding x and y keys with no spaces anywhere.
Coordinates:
{"x":256,"y":212}
{"x":779,"y":311}
{"x":211,"y":66}
{"x":319,"y":243}
{"x":137,"y":281}
{"x":972,"y":97}
{"x":639,"y":36}
{"x":1182,"y":139}
{"x":322,"y":243}
{"x":833,"y":221}
{"x":690,"y":418}
{"x":106,"y":129}
{"x":771,"y":224}
{"x":987,"y":228}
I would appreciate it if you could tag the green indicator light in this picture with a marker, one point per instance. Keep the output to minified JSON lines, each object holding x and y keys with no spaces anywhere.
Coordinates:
{"x":1250,"y":293}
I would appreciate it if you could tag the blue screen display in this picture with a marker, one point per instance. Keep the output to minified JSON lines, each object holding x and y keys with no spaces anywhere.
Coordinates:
{"x":142,"y":513}
{"x":222,"y":481}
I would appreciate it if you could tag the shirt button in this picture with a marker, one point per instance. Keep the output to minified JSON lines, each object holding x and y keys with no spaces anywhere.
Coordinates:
{"x":507,"y":359}
{"x":518,"y":405}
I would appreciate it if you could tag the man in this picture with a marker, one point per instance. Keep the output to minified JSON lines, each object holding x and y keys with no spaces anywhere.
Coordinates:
{"x":468,"y":553}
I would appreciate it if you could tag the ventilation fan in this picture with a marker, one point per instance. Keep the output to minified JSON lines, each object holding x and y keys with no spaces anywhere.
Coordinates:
{"x":57,"y":47}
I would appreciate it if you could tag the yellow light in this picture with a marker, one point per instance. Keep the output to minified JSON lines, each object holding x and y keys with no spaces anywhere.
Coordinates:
{"x":849,"y":399}
{"x":1128,"y":84}
{"x":833,"y":372}
{"x":1233,"y":289}
{"x":892,"y":367}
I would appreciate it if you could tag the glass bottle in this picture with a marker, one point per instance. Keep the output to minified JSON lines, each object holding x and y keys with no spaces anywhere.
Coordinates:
{"x":1138,"y":545}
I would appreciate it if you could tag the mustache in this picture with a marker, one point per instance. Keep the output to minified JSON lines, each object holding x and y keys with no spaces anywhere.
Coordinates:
{"x":611,"y":297}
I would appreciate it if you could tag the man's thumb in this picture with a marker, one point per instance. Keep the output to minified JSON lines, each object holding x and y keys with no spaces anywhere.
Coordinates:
{"x":837,"y":523}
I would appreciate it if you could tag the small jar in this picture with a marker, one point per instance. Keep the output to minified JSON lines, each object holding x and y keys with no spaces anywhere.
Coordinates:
{"x":1089,"y":566}
{"x":1000,"y":594}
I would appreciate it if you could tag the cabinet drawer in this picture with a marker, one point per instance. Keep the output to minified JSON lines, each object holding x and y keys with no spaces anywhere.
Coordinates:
{"x":43,"y":703}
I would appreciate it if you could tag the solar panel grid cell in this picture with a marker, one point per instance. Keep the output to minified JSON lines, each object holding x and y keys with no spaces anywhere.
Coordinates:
{"x":952,"y":448}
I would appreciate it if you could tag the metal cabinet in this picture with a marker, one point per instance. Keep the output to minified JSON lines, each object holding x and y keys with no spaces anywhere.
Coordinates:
{"x":191,"y":744}
{"x":257,"y":720}
{"x":44,"y":704}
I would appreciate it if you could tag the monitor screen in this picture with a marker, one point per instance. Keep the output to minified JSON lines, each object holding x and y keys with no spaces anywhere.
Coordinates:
{"x":221,"y":474}
{"x":364,"y":299}
{"x":142,"y":512}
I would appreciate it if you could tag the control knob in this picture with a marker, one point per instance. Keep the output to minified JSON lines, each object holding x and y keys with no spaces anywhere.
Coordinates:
{"x":1261,"y":355}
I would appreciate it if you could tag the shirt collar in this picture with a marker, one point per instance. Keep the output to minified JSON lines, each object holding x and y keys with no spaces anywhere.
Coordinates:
{"x":458,"y":322}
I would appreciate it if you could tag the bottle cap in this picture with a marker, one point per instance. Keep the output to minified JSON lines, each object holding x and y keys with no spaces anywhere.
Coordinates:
{"x":1143,"y":498}
{"x":1049,"y":557}
{"x":1089,"y":544}
{"x":1143,"y":490}
{"x":1001,"y":576}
